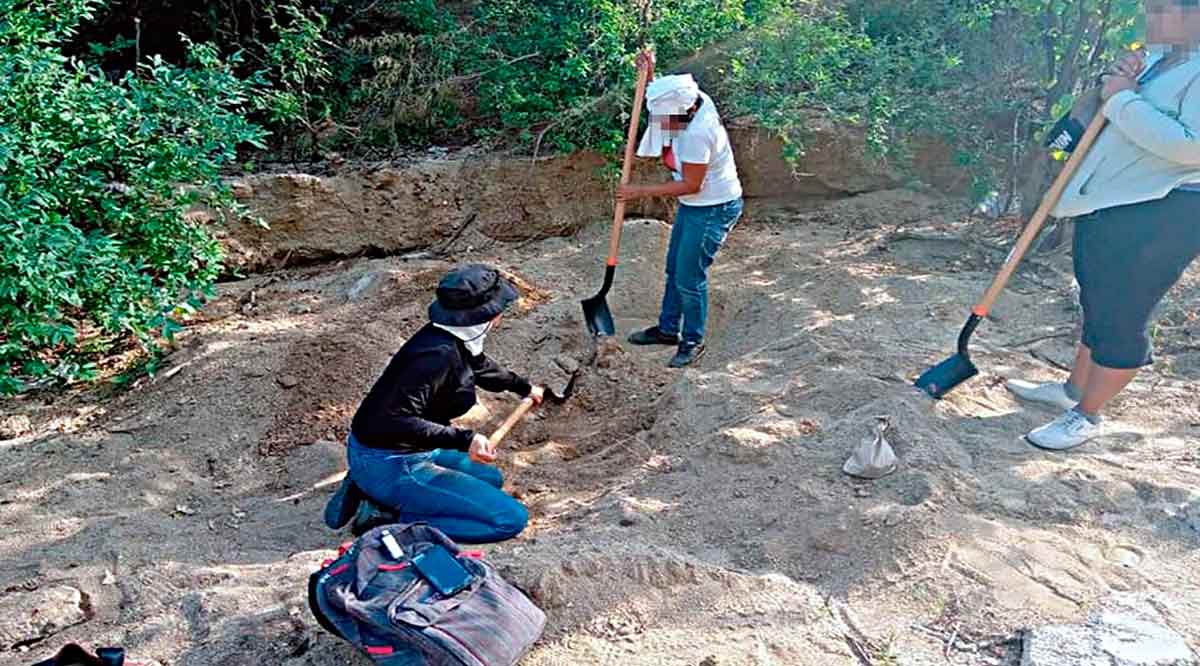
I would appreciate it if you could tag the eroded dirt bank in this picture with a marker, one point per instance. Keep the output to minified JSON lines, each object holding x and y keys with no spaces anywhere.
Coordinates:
{"x":460,"y":201}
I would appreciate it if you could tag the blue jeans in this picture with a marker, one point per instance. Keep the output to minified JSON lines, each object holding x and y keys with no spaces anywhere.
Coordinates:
{"x":443,"y":488}
{"x":698,"y":233}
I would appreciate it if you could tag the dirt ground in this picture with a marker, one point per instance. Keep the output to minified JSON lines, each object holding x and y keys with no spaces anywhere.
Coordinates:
{"x":694,"y":517}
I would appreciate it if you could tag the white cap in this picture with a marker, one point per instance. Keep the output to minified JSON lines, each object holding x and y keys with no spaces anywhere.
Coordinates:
{"x":672,"y":95}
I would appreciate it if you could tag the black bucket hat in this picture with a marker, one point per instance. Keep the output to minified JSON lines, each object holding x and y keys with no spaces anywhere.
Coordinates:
{"x":471,"y":295}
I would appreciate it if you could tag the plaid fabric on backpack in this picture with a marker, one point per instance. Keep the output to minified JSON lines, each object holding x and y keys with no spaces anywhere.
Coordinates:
{"x":388,"y":610}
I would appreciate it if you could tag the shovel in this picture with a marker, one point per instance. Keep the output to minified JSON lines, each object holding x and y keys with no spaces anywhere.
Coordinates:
{"x":596,"y":313}
{"x":526,"y":405}
{"x":949,"y":374}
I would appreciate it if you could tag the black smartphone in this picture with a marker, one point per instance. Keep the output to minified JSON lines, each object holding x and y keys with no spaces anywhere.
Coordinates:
{"x":445,"y":573}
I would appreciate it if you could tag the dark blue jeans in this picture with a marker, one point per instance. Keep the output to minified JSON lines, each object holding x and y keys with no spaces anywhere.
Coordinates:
{"x":697,"y":236}
{"x":443,"y":488}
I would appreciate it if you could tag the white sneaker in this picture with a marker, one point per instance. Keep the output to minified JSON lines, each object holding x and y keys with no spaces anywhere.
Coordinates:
{"x":1066,"y":432}
{"x":1050,"y":393}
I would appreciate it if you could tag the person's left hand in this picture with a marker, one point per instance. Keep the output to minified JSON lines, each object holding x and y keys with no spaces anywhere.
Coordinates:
{"x":646,"y":60}
{"x":1115,"y":83}
{"x":537,"y":394}
{"x":626,"y":193}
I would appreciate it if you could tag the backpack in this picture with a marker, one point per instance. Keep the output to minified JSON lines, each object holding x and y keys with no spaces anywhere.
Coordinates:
{"x":385,"y":608}
{"x":73,"y":655}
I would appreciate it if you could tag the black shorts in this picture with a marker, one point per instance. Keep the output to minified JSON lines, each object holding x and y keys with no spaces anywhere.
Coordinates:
{"x":1126,"y":259}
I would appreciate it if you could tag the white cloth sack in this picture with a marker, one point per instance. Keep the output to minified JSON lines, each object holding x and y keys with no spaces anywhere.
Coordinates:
{"x":874,"y":458}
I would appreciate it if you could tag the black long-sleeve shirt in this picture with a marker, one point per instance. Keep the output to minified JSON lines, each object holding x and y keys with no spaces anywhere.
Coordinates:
{"x":430,"y":381}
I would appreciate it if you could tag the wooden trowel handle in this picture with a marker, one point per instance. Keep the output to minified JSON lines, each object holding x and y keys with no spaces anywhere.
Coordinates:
{"x":639,"y":97}
{"x":512,"y":420}
{"x":1039,"y":218}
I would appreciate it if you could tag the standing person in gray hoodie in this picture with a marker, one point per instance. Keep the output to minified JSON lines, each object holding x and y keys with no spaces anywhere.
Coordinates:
{"x":1136,"y":198}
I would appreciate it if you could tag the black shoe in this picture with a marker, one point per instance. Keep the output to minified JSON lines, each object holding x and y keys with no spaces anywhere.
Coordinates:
{"x":653,"y":336}
{"x":343,"y":504}
{"x":687,"y":354}
{"x":369,"y":516}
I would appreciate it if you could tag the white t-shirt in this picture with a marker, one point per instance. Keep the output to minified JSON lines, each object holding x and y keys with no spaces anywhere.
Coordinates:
{"x":705,"y":141}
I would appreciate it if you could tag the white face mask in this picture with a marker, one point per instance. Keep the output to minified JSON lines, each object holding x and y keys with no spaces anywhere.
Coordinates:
{"x":472,"y":336}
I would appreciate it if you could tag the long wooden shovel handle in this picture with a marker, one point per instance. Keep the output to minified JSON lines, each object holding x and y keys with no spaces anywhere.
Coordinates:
{"x":516,"y":416}
{"x":1049,"y":201}
{"x":639,"y":97}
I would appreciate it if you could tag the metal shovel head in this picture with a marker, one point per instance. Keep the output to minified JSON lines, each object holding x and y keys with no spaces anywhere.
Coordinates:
{"x":947,"y":375}
{"x":596,"y":313}
{"x":560,"y":398}
{"x":598,"y":317}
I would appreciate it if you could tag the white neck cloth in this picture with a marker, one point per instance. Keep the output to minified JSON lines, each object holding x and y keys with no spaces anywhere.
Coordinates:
{"x":472,"y":336}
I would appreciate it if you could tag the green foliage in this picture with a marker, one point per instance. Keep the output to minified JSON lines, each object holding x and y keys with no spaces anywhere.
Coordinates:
{"x":800,"y":66}
{"x":518,"y":68}
{"x":298,"y":64}
{"x":984,"y":77}
{"x":96,"y":176}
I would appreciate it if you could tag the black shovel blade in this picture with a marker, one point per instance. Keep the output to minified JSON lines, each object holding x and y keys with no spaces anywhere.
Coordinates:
{"x":560,"y":398}
{"x":947,"y":375}
{"x":596,"y":313}
{"x":598,"y":317}
{"x":950,"y":373}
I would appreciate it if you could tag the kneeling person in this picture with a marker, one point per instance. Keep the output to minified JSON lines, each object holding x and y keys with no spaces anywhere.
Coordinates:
{"x":403,"y":453}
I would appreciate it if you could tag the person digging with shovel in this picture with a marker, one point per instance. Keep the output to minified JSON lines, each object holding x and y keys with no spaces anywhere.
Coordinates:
{"x":1135,"y":198}
{"x":686,"y":132}
{"x":407,"y":463}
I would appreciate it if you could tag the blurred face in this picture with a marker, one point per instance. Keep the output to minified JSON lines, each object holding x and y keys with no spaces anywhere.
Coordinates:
{"x":1173,"y":22}
{"x":671,"y":123}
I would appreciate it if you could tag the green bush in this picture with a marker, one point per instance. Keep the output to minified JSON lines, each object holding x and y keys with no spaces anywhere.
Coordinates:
{"x":518,"y":70}
{"x":800,"y":64}
{"x":96,"y":176}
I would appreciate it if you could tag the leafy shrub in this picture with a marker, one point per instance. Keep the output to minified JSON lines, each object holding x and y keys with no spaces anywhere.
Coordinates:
{"x":520,"y":70}
{"x":96,"y":176}
{"x":799,"y":64}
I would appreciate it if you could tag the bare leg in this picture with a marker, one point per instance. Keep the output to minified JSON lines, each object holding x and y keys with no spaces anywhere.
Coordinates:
{"x":1103,"y":384}
{"x":1083,"y":368}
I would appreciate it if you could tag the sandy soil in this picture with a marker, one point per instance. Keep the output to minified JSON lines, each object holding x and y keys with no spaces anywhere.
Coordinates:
{"x":695,"y":518}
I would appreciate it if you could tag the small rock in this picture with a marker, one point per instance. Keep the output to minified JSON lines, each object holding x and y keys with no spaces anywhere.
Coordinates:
{"x":184,"y":510}
{"x":300,"y":308}
{"x":710,"y":660}
{"x":289,"y":381}
{"x":629,"y":517}
{"x":109,"y":578}
{"x":17,"y":425}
